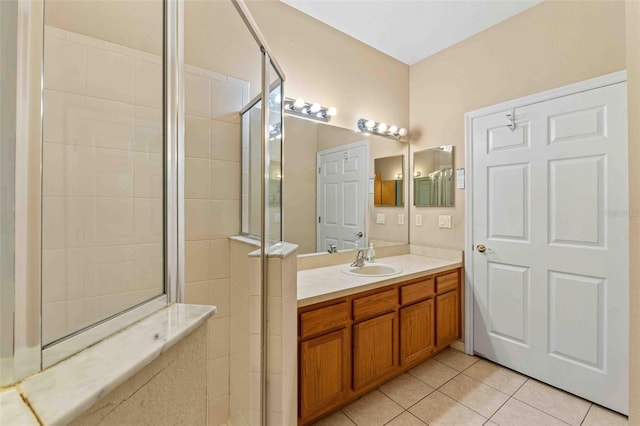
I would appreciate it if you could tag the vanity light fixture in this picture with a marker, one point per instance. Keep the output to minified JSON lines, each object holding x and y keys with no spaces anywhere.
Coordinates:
{"x":382,"y":129}
{"x":313,"y":111}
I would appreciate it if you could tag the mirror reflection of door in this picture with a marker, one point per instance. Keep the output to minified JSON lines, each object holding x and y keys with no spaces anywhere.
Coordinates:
{"x":342,"y":196}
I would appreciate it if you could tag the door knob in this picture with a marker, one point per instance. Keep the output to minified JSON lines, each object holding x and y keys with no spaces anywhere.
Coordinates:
{"x":481,"y":248}
{"x":358,"y":234}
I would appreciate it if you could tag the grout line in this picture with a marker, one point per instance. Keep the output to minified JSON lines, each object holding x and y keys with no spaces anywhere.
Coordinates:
{"x":586,"y":414}
{"x":542,"y":411}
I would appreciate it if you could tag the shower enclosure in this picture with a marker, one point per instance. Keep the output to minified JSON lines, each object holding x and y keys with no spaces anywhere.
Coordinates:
{"x":120,"y":169}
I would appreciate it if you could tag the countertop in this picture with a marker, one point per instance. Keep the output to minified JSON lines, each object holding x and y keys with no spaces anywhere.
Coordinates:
{"x":65,"y":390}
{"x":322,"y":284}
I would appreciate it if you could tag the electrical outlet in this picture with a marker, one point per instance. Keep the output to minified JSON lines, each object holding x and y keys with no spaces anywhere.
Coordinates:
{"x":401,"y":219}
{"x":418,"y":220}
{"x":444,"y":221}
{"x":380,"y":219}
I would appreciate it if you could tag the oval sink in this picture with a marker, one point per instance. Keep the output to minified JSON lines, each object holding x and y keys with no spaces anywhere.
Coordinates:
{"x":373,"y":270}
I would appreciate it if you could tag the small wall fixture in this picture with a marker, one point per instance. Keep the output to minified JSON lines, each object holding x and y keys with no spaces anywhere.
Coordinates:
{"x":313,"y":111}
{"x":382,"y":129}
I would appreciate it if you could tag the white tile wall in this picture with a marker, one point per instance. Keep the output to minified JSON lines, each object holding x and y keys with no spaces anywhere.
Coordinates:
{"x":102,"y":209}
{"x":212,"y":214}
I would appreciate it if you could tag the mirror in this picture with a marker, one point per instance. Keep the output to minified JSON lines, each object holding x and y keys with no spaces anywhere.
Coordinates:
{"x":328,"y":188}
{"x":388,"y":185}
{"x":433,"y":177}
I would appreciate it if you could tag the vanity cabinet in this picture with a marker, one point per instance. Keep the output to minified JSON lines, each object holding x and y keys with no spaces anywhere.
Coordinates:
{"x":447,"y":309}
{"x":353,"y":344}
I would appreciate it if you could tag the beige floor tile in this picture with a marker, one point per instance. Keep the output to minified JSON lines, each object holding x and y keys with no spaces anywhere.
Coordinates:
{"x":336,"y":419}
{"x":406,"y":419}
{"x":498,"y":377}
{"x":433,"y":373}
{"x":406,"y":390}
{"x":490,"y":423}
{"x":516,"y":413}
{"x":438,"y":409}
{"x":481,"y":398}
{"x":456,"y":359}
{"x":599,"y":416}
{"x":559,"y":404}
{"x":372,"y":409}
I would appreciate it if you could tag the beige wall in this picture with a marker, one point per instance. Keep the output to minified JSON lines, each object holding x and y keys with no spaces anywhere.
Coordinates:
{"x":547,"y":46}
{"x":169,"y":391}
{"x":633,"y":85}
{"x":327,"y":66}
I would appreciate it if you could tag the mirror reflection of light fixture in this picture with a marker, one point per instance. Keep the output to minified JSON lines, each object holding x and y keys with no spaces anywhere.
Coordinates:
{"x":398,"y":176}
{"x":313,"y":111}
{"x":382,"y":129}
{"x":417,"y":174}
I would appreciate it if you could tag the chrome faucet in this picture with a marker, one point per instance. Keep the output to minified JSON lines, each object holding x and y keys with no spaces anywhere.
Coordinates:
{"x":360,"y":257}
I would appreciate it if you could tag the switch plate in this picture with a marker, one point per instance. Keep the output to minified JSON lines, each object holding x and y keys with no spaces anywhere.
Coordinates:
{"x":418,"y":220}
{"x":401,"y":219}
{"x":444,"y":221}
{"x":380,"y":219}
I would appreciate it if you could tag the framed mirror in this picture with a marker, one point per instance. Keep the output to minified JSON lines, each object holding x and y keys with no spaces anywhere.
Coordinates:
{"x":433,"y":177}
{"x":388,"y":186}
{"x":328,"y":188}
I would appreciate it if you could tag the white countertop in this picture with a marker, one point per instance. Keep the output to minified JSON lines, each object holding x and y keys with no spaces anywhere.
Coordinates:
{"x":14,"y":411}
{"x":322,"y":284}
{"x":64,"y":391}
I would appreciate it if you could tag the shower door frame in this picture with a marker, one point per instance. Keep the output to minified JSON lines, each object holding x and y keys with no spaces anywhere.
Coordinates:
{"x":23,"y":311}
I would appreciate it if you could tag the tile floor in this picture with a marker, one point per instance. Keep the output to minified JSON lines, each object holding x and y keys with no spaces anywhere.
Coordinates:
{"x":459,"y":390}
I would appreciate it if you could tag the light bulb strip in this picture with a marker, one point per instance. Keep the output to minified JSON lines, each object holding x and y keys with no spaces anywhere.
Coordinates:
{"x":381,"y":129}
{"x":312,"y":111}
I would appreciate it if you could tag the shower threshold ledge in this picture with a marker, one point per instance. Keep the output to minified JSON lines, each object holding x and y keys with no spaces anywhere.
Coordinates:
{"x":62,"y":392}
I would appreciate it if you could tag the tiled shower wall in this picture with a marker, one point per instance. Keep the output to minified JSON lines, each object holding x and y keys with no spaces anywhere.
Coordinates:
{"x":212,"y":210}
{"x":102,"y":180}
{"x":103,"y":189}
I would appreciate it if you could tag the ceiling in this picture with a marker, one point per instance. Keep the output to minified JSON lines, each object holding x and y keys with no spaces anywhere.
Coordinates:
{"x":411,"y":30}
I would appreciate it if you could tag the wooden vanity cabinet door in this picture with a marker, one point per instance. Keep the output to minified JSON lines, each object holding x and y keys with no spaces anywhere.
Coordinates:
{"x":375,"y":349}
{"x":417,"y":332}
{"x":324,"y":372}
{"x":447,"y":317}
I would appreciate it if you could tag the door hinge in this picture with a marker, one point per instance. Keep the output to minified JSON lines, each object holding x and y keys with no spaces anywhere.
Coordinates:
{"x":319,"y":170}
{"x":319,"y":219}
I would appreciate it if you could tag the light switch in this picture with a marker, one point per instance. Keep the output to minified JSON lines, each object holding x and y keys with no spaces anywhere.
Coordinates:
{"x":444,"y":221}
{"x":380,"y":218}
{"x":418,"y":220}
{"x":401,"y":219}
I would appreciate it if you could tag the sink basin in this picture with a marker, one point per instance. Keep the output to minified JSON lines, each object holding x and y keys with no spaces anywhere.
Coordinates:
{"x":373,"y":270}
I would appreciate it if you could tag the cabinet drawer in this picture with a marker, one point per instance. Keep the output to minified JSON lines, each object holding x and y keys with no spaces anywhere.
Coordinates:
{"x":324,"y":319}
{"x":447,"y":282}
{"x":417,"y":291}
{"x":375,"y":304}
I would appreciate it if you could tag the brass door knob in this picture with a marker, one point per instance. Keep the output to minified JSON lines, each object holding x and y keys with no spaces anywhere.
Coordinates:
{"x":481,"y":248}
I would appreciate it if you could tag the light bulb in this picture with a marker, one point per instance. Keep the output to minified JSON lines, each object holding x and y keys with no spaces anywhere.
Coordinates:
{"x":370,"y":124}
{"x":402,"y":132}
{"x":417,"y":174}
{"x":331,"y":112}
{"x":382,"y":127}
{"x":393,"y":129}
{"x":299,"y":103}
{"x":315,"y":108}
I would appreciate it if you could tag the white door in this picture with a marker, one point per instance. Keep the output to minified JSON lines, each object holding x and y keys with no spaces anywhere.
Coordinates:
{"x":550,"y":204}
{"x":342,"y":196}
